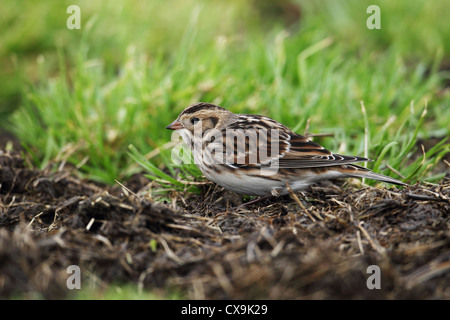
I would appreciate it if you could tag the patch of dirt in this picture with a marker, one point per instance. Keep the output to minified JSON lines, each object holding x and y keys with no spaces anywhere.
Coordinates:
{"x":318,"y":246}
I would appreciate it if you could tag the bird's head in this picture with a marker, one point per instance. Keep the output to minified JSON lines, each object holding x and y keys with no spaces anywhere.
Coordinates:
{"x":203,"y":116}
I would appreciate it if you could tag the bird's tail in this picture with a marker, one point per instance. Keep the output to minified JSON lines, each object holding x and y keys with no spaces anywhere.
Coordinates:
{"x":362,"y":172}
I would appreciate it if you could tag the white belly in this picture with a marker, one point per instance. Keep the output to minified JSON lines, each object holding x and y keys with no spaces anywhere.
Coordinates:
{"x":241,"y":183}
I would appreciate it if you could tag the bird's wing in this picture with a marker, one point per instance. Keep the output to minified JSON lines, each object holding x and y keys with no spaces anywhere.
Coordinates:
{"x":304,"y":153}
{"x":255,"y":141}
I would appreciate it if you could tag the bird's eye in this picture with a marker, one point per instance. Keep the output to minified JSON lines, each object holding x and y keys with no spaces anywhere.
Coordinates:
{"x":195,"y":120}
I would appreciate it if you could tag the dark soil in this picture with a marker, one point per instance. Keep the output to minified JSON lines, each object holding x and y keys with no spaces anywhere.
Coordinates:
{"x":318,"y":246}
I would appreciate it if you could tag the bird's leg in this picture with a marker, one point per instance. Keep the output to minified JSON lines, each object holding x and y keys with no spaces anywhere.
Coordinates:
{"x":269,"y":196}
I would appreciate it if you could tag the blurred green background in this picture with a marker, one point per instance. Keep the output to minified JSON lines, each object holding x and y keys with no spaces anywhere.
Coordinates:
{"x":85,"y":95}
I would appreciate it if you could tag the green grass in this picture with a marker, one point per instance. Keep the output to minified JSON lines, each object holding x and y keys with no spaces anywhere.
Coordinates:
{"x":111,"y":291}
{"x":86,"y":95}
{"x":124,"y":291}
{"x":185,"y":175}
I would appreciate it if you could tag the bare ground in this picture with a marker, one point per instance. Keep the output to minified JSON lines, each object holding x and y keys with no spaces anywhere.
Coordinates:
{"x":318,"y":246}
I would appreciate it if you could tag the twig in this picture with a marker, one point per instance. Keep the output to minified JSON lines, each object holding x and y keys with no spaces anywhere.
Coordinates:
{"x":169,"y":251}
{"x":372,"y":242}
{"x":305,"y":133}
{"x":424,"y":197}
{"x":395,"y":171}
{"x":297,"y":200}
{"x":222,"y":278}
{"x":36,"y":216}
{"x":366,"y":135}
{"x":90,"y":223}
{"x":127,"y":190}
{"x":430,"y":270}
{"x":312,"y":135}
{"x":358,"y":239}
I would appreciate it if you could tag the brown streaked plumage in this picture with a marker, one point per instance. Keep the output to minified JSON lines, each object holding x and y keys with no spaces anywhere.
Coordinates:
{"x":256,"y":155}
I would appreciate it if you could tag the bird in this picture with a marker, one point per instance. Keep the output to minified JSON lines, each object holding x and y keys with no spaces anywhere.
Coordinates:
{"x":255,"y":155}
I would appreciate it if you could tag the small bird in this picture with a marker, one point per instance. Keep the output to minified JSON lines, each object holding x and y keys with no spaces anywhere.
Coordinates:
{"x":256,"y":155}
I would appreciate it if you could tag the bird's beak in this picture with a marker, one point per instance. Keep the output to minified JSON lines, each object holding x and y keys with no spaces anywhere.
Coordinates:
{"x":175,"y":125}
